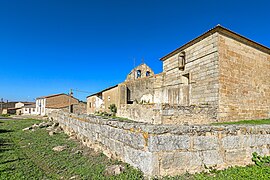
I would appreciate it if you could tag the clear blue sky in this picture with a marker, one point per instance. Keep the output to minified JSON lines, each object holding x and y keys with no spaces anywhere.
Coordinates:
{"x":50,"y":46}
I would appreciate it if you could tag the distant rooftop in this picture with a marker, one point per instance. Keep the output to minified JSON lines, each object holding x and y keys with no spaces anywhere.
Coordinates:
{"x":53,"y":95}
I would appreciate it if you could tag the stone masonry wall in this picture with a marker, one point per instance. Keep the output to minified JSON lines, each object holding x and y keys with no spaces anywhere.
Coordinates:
{"x":140,"y":88}
{"x":169,"y":114}
{"x":168,"y":149}
{"x":111,"y":97}
{"x":60,"y":101}
{"x":188,"y":115}
{"x":244,"y":81}
{"x":79,"y":108}
{"x":148,"y":113}
{"x":143,"y":68}
{"x":202,"y":66}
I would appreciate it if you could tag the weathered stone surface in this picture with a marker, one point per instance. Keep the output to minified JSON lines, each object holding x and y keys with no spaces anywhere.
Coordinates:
{"x":27,"y":128}
{"x":45,"y":124}
{"x":51,"y":133}
{"x":168,"y":143}
{"x":145,"y":161}
{"x":169,"y":149}
{"x":211,"y":158}
{"x":236,"y":156}
{"x":205,"y":142}
{"x":181,"y":160}
{"x":244,"y":81}
{"x":59,"y":148}
{"x":114,"y":170}
{"x":232,"y":142}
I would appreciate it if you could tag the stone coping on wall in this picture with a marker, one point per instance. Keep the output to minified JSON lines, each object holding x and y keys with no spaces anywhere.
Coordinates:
{"x":168,"y":149}
{"x":174,"y":129}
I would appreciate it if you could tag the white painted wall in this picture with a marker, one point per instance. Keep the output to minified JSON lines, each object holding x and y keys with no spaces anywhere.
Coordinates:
{"x":19,"y":105}
{"x":99,"y":102}
{"x":41,"y":107}
{"x":29,"y":111}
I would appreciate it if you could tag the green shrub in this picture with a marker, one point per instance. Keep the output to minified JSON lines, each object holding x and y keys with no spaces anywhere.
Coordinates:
{"x":113,"y":109}
{"x":5,"y":115}
{"x":260,"y":160}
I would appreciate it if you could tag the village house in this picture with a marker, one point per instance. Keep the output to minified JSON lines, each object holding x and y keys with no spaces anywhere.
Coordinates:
{"x":100,"y":102}
{"x":13,"y":107}
{"x":6,"y":106}
{"x":46,"y":104}
{"x":218,"y":76}
{"x":29,"y":109}
{"x":19,"y":107}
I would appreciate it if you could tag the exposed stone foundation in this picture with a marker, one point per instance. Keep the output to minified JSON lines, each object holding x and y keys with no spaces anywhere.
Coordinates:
{"x":168,"y":149}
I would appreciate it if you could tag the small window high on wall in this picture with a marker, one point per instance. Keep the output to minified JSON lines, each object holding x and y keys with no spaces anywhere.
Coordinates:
{"x":182,"y":60}
{"x":147,"y":73}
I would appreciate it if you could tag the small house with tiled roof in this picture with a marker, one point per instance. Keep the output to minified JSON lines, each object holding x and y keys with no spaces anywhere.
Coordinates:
{"x":45,"y":104}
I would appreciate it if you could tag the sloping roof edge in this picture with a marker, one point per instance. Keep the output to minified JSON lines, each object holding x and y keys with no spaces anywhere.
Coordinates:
{"x":102,"y":91}
{"x":30,"y":106}
{"x":53,"y":95}
{"x":223,"y":31}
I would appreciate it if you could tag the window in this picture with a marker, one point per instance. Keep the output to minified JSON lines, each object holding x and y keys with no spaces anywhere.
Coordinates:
{"x":109,"y":98}
{"x":139,"y":73}
{"x":147,"y":73}
{"x":90,"y":105}
{"x":181,"y":60}
{"x":186,"y":79}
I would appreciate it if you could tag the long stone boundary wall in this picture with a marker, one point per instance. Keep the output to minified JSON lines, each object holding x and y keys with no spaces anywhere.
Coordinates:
{"x":168,"y":149}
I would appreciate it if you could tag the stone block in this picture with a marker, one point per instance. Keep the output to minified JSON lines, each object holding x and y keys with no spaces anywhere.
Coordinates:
{"x":212,"y":158}
{"x":181,"y":160}
{"x":205,"y":143}
{"x":232,"y":142}
{"x":168,"y":143}
{"x":256,"y":140}
{"x":135,"y":140}
{"x":147,"y":162}
{"x":238,"y":156}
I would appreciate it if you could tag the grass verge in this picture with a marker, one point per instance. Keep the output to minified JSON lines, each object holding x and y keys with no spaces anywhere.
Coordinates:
{"x":29,"y":155}
{"x":255,"y":122}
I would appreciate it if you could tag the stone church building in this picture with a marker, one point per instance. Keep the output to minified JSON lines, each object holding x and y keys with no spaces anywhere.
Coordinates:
{"x":218,"y":76}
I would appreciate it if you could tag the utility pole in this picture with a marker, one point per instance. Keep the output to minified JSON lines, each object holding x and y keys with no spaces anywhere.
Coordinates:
{"x":69,"y":100}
